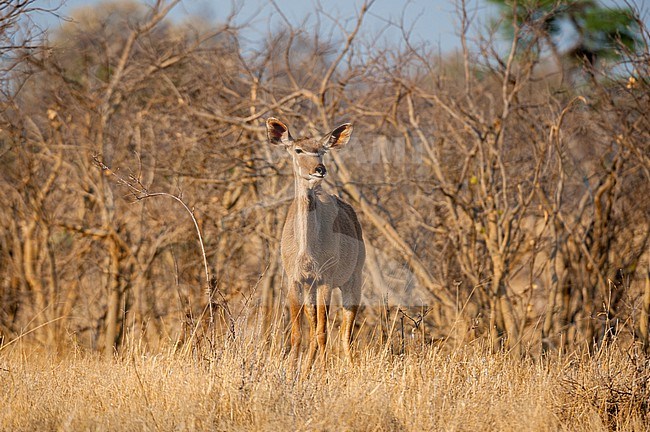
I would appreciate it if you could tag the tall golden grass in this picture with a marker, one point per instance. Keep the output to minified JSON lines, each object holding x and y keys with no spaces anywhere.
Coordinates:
{"x":246,"y":384}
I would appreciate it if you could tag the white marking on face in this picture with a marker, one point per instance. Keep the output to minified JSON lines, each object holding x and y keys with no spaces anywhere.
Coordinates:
{"x":306,"y":153}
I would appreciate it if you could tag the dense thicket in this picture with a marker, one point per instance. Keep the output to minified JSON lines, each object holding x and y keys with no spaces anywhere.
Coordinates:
{"x":501,"y":198}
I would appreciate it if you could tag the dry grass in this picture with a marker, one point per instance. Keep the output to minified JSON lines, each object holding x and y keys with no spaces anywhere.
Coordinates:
{"x":245,"y":386}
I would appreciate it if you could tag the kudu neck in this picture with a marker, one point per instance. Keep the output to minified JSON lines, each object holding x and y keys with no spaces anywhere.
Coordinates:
{"x":305,"y":189}
{"x":306,"y":219}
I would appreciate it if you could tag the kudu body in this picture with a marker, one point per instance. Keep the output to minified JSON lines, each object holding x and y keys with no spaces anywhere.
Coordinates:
{"x":322,"y":244}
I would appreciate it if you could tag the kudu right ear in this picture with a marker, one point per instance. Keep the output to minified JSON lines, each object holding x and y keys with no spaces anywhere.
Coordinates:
{"x":277,"y":132}
{"x":339,"y":137}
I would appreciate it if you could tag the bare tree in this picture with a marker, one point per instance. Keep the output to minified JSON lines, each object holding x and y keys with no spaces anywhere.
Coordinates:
{"x":497,"y":203}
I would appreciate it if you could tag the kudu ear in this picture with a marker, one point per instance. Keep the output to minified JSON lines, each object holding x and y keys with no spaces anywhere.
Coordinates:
{"x":277,"y":132}
{"x":338,"y":137}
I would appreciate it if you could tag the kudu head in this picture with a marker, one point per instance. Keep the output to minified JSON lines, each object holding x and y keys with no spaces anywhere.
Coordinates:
{"x":307,"y":153}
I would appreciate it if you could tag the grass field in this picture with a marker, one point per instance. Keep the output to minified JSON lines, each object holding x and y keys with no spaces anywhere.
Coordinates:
{"x":499,"y":187}
{"x":242,"y":385}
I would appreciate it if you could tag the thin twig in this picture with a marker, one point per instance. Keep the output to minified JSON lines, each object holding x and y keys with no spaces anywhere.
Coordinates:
{"x":140,"y":192}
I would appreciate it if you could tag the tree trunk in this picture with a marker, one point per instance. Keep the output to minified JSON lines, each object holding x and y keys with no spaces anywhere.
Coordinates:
{"x":114,"y":299}
{"x":644,"y":321}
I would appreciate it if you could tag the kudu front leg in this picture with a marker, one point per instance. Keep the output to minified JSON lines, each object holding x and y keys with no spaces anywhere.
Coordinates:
{"x":295,"y":312}
{"x":311,"y":312}
{"x":317,"y":300}
{"x":324,"y":296}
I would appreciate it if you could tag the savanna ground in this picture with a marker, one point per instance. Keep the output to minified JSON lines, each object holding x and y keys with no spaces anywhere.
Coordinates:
{"x":246,"y":385}
{"x":502,"y":190}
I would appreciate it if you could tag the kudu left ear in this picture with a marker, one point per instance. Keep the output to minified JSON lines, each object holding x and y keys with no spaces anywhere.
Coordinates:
{"x":278,"y":132}
{"x":338,"y":137}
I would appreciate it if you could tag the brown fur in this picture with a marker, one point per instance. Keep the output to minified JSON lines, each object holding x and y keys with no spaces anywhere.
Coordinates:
{"x":322,"y":244}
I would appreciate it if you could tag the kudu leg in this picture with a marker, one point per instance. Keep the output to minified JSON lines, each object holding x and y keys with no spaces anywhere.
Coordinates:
{"x":317,"y":309}
{"x":295,"y":311}
{"x":312,"y":318}
{"x":323,"y":301}
{"x":351,"y":296}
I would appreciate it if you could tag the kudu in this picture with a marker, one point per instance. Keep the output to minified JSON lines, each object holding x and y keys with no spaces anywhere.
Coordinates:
{"x":322,"y":245}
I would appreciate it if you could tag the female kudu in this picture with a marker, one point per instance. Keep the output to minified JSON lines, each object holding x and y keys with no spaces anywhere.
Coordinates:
{"x":322,"y":245}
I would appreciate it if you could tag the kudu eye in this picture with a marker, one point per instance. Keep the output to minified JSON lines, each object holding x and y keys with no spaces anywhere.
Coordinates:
{"x":298,"y":151}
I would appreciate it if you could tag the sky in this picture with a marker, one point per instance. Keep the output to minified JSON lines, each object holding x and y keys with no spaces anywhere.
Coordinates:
{"x":431,"y":21}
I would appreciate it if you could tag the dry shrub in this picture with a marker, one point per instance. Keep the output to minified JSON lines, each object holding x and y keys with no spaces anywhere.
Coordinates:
{"x":245,"y":386}
{"x":614,"y":384}
{"x":503,"y":210}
